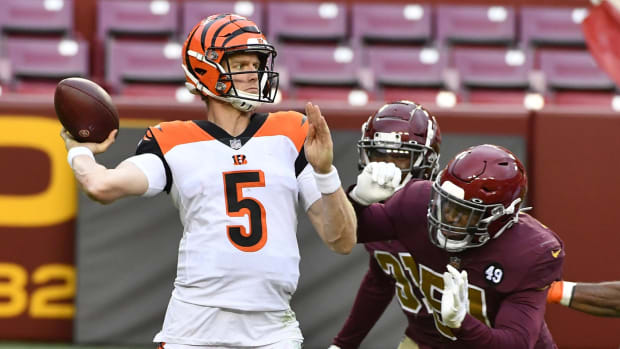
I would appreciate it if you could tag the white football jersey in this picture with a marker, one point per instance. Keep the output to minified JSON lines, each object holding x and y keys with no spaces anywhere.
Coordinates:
{"x":237,"y":199}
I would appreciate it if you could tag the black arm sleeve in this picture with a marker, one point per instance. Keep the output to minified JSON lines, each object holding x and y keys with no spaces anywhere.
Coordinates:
{"x":148,"y":144}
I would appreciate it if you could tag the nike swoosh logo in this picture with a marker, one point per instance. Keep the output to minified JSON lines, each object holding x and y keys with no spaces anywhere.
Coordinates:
{"x":556,"y":253}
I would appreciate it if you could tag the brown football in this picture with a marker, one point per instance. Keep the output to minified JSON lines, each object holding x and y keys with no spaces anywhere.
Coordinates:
{"x":85,"y":109}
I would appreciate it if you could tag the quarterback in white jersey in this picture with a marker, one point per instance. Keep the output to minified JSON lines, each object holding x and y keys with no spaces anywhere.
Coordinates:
{"x":237,"y":179}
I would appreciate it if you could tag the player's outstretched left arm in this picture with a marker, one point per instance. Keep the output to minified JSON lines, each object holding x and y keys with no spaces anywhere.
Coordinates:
{"x":98,"y":182}
{"x":332,"y":216}
{"x":598,"y":299}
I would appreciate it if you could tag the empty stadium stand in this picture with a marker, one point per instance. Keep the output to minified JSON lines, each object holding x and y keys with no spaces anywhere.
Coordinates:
{"x":481,"y":53}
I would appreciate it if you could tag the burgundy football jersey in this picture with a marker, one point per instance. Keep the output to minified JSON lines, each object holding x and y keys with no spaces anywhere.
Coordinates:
{"x":385,"y":277}
{"x":506,"y":276}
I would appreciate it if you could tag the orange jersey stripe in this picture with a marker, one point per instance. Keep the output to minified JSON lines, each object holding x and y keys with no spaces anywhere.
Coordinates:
{"x":291,"y":124}
{"x":171,"y":134}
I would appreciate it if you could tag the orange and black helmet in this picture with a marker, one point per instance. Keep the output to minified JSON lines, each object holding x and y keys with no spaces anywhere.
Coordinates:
{"x":205,"y":54}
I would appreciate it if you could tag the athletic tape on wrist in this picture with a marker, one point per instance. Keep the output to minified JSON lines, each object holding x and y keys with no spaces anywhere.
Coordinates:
{"x":75,"y":151}
{"x":568,"y":289}
{"x":327,"y":183}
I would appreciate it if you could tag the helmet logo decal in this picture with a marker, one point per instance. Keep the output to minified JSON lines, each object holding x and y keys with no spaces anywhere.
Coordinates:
{"x":220,"y":86}
{"x":212,"y":55}
{"x":256,"y":41}
{"x":494,"y":274}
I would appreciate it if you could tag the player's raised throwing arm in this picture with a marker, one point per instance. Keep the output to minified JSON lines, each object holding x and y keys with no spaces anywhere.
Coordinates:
{"x":98,"y":182}
{"x":332,"y":216}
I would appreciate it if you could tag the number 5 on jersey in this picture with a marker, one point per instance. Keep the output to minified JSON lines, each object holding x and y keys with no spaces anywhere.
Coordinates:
{"x":238,"y":206}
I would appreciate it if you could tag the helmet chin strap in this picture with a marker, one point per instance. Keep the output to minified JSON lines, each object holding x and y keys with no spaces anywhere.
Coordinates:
{"x":452,"y":245}
{"x":509,"y":210}
{"x":243,"y":105}
{"x":499,"y":211}
{"x":237,"y":103}
{"x":407,"y":178}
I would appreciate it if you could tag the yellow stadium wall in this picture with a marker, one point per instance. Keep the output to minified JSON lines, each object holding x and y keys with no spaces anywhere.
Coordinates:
{"x":38,"y":205}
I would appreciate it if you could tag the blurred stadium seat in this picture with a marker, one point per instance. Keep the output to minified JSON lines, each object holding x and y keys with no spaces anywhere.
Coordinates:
{"x":488,"y":25}
{"x":307,"y":22}
{"x":326,"y":49}
{"x":493,"y":75}
{"x":321,"y":65}
{"x":147,"y":68}
{"x":573,"y":77}
{"x":194,"y":11}
{"x":36,"y":17}
{"x":405,"y":66}
{"x":551,"y":26}
{"x":133,"y":21}
{"x":415,"y":73}
{"x":574,"y":70}
{"x":329,"y":72}
{"x":391,"y":24}
{"x":37,"y":64}
{"x":136,"y":18}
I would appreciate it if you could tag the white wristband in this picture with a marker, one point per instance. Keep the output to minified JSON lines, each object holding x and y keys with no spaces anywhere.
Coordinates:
{"x":329,"y":182}
{"x":568,"y":288}
{"x":75,"y":151}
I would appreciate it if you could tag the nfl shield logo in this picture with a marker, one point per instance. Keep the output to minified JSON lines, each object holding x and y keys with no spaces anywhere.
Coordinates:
{"x":235,"y":144}
{"x":455,"y":262}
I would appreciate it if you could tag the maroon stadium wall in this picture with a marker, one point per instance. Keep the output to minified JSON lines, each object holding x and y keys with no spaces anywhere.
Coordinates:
{"x":577,"y":194}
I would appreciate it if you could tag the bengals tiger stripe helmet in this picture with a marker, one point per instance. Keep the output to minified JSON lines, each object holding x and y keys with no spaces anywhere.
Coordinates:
{"x":205,"y":54}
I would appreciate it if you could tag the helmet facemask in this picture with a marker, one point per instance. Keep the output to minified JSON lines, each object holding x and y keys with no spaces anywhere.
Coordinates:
{"x":455,"y":224}
{"x":267,"y":80}
{"x":415,"y":160}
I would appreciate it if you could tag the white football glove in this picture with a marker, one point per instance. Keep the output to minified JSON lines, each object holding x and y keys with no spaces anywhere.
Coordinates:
{"x":377,"y":182}
{"x":333,"y":346}
{"x":454,"y":301}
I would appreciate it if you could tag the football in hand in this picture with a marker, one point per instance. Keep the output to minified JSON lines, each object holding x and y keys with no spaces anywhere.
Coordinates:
{"x":85,"y":109}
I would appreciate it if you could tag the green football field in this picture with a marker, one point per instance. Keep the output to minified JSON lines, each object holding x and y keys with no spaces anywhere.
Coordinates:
{"x":21,"y":345}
